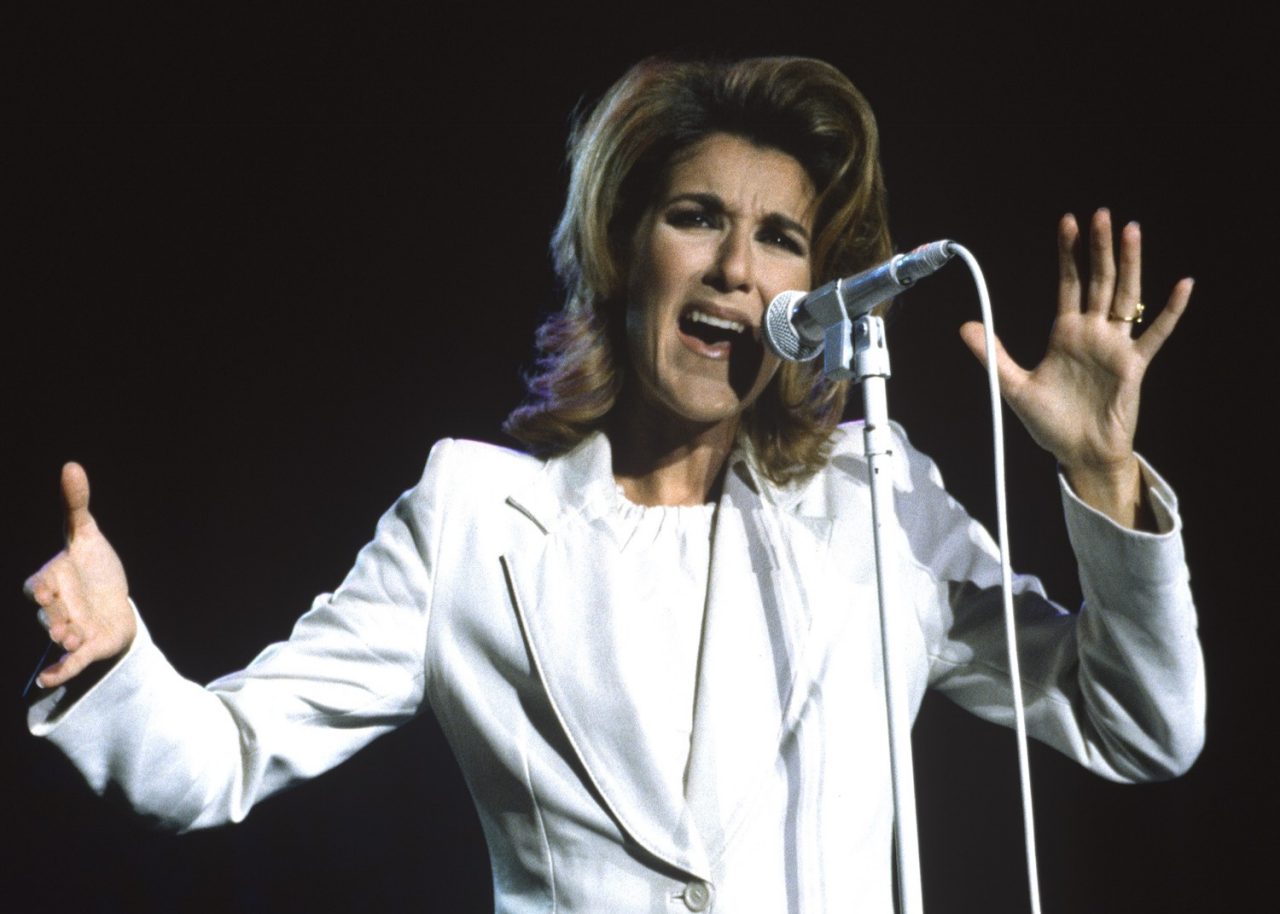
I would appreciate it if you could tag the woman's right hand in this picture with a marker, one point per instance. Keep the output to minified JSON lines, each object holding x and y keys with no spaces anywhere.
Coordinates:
{"x":82,"y":591}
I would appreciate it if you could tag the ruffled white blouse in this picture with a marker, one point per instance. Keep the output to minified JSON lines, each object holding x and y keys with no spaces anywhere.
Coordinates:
{"x":668,"y":549}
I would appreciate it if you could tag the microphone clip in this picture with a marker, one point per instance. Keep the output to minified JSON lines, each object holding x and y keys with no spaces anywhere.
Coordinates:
{"x":855,"y":350}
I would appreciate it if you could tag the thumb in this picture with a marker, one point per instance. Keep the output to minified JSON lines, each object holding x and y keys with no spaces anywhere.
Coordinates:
{"x":1010,"y":373}
{"x":75,"y":499}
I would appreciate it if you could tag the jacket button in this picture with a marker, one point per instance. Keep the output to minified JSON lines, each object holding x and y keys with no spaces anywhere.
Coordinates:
{"x":697,"y":895}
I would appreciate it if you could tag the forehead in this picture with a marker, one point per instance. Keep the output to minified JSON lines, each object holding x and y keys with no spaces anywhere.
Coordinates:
{"x":750,"y":178}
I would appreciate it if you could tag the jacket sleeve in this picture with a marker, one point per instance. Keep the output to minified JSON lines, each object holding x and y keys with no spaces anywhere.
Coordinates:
{"x":1118,"y":685}
{"x":353,"y":668}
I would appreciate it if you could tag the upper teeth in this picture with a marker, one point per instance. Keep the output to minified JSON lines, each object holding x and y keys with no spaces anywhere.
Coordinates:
{"x":720,"y":322}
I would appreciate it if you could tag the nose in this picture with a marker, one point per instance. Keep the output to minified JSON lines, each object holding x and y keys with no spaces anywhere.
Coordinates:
{"x":732,"y":269}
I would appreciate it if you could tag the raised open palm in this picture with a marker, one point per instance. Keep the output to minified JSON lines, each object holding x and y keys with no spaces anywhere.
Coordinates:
{"x":1081,"y":401}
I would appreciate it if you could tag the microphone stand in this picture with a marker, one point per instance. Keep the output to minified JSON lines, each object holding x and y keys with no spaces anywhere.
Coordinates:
{"x":856,"y":350}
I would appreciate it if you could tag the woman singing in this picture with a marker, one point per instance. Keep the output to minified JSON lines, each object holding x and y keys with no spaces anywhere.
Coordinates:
{"x":651,"y":638}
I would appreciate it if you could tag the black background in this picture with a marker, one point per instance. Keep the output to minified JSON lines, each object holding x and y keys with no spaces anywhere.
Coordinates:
{"x":257,"y":262}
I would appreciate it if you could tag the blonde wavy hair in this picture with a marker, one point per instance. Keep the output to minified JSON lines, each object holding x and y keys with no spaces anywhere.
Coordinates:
{"x":618,"y":155}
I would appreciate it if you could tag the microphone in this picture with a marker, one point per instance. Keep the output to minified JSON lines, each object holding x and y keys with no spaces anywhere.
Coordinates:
{"x":796,"y":323}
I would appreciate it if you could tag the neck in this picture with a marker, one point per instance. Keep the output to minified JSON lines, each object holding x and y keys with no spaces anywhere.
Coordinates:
{"x":660,"y":461}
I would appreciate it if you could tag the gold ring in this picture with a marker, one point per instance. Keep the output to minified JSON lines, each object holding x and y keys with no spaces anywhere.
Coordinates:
{"x":1135,"y":319}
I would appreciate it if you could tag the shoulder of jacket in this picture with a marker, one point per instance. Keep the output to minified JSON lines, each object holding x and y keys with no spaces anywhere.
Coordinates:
{"x":460,"y":464}
{"x":482,"y":454}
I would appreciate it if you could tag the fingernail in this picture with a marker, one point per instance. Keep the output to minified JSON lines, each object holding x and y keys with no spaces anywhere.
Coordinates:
{"x":1134,"y":224}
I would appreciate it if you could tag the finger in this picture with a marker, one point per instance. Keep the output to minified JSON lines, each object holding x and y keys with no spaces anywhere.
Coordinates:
{"x":71,"y":640}
{"x":1009,"y":372}
{"x":1068,"y":272}
{"x":75,"y":499}
{"x":36,"y":589}
{"x":1102,"y":265}
{"x":1129,"y":281}
{"x":64,"y":670}
{"x":58,"y":620}
{"x":42,"y":588}
{"x":1150,"y":342}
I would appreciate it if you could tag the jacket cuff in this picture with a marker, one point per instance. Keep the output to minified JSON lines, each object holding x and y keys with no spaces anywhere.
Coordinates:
{"x":1104,"y":545}
{"x":85,"y":696}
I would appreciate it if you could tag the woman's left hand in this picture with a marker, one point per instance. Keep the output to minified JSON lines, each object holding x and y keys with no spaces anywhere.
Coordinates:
{"x":1081,"y":402}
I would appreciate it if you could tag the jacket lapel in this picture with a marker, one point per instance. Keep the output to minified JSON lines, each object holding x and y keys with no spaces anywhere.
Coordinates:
{"x":563,"y":585}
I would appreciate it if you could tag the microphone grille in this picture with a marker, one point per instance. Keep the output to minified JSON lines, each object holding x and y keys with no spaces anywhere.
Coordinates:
{"x":780,"y":333}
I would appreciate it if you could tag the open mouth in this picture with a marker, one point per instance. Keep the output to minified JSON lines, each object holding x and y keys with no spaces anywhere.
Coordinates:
{"x":718,"y":334}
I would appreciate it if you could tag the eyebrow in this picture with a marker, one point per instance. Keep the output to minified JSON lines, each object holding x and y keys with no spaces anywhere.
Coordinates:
{"x":714,"y":204}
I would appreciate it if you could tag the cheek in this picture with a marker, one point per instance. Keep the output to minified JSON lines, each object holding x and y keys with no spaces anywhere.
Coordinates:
{"x":652,"y":297}
{"x":641,"y":336}
{"x":790,"y":278}
{"x":639,"y":291}
{"x":638,"y":311}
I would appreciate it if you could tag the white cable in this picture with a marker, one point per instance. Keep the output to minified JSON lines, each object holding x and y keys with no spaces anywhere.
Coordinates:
{"x":1006,"y":575}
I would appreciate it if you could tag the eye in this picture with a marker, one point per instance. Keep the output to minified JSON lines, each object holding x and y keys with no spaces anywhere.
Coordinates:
{"x":693,"y":217}
{"x":781,"y":239}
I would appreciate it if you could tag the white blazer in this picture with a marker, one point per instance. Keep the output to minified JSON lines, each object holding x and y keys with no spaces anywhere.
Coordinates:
{"x":485,"y":595}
